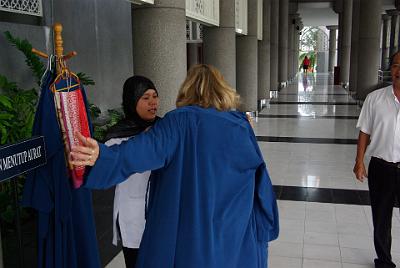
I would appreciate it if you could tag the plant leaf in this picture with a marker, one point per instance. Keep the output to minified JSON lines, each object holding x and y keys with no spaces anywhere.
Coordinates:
{"x":5,"y":101}
{"x":85,"y":79}
{"x":33,"y":61}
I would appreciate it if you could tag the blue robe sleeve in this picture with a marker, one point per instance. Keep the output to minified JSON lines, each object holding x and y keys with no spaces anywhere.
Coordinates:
{"x":149,"y":150}
{"x":265,"y":206}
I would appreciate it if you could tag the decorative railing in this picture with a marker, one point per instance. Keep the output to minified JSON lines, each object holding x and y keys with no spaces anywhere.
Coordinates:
{"x":241,"y":16}
{"x":141,"y":2}
{"x":204,"y":11}
{"x":29,"y":7}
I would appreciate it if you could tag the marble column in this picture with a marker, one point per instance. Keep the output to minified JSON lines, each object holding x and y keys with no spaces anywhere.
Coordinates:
{"x":385,"y":43}
{"x":339,"y":39}
{"x":394,"y":30}
{"x":219,"y":43}
{"x":346,"y":41}
{"x":301,"y":27}
{"x":354,"y":46}
{"x":368,"y":47}
{"x":246,"y":61}
{"x":290,"y":46}
{"x":338,"y":8}
{"x":264,"y":56}
{"x":274,"y":44}
{"x":158,"y":45}
{"x":293,"y":33}
{"x":296,"y":64}
{"x":332,"y":46}
{"x":283,"y":40}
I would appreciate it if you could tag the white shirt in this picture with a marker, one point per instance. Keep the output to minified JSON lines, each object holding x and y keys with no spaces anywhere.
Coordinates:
{"x":129,"y":206}
{"x":380,"y":118}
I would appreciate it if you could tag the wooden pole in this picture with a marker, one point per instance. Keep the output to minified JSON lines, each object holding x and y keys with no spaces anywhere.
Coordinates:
{"x":58,"y":46}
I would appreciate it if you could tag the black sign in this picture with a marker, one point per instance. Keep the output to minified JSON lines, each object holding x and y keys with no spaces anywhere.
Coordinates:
{"x":18,"y":158}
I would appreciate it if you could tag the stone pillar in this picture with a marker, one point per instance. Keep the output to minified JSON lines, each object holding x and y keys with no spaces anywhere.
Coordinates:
{"x":246,"y":59}
{"x":368,"y":47}
{"x":296,"y":65}
{"x":394,"y":33}
{"x":346,"y":42}
{"x":354,"y":46}
{"x":385,"y":43}
{"x":274,"y":44}
{"x":219,"y":43}
{"x":290,"y":47}
{"x":339,"y":39}
{"x":332,"y":46}
{"x":164,"y":62}
{"x":283,"y":40}
{"x":292,"y":43}
{"x":298,"y":45}
{"x":294,"y":49}
{"x":293,"y":15}
{"x":338,"y":8}
{"x":264,"y":56}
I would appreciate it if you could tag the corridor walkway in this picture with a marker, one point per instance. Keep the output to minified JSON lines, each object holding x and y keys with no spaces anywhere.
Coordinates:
{"x":308,"y":138}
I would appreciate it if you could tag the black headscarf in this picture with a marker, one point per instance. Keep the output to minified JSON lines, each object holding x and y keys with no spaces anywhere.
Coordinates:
{"x":132,"y":124}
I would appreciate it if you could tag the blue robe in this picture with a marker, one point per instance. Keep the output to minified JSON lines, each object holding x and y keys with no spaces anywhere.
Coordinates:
{"x":66,"y":229}
{"x":211,"y":202}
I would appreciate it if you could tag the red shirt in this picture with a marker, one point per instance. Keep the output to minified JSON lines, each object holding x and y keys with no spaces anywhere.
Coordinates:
{"x":306,"y":61}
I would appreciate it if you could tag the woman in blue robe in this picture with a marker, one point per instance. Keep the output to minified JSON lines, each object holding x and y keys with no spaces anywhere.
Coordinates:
{"x":211,"y":202}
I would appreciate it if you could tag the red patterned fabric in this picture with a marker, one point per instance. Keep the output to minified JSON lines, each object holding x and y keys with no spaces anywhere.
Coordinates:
{"x":72,"y":118}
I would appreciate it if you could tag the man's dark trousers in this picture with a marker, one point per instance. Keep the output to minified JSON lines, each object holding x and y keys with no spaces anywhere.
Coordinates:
{"x":384,"y":188}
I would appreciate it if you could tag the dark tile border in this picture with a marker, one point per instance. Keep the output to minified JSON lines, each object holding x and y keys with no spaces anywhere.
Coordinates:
{"x":313,"y":102}
{"x":306,"y":140}
{"x":309,"y":116}
{"x":322,"y":195}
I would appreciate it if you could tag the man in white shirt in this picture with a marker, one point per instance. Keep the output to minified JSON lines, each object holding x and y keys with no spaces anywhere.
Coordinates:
{"x":379,"y":125}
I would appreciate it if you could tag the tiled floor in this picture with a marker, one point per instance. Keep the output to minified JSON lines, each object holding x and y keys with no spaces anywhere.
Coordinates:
{"x":317,"y":234}
{"x":326,"y":235}
{"x":307,"y":135}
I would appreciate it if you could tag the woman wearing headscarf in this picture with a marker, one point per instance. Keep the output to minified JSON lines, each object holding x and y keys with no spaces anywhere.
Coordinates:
{"x":140,"y":103}
{"x":211,"y":202}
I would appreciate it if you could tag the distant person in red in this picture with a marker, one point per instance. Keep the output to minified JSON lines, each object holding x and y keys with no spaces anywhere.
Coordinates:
{"x":306,"y":64}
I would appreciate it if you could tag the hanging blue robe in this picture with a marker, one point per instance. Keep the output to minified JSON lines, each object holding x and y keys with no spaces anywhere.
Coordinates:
{"x":66,"y":230}
{"x":211,"y":202}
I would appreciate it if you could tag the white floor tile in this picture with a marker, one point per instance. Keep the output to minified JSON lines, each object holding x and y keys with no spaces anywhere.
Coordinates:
{"x":321,"y":216}
{"x":291,"y":236}
{"x":321,"y":252}
{"x":309,"y":263}
{"x":286,"y":249}
{"x":321,"y":238}
{"x":356,"y":241}
{"x":291,"y":224}
{"x":321,"y":227}
{"x":354,"y":229}
{"x":357,"y":256}
{"x":284,"y":262}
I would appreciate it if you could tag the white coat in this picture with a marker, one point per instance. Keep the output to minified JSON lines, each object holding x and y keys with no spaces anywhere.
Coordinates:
{"x":129,"y":206}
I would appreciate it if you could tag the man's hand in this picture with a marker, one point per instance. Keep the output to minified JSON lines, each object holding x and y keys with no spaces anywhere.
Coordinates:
{"x":359,"y":171}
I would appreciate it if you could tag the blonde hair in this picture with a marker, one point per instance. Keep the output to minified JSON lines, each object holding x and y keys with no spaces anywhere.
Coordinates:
{"x":206,"y":87}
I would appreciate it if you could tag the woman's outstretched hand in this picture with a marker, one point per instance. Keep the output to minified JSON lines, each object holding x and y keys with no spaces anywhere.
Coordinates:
{"x":85,"y":155}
